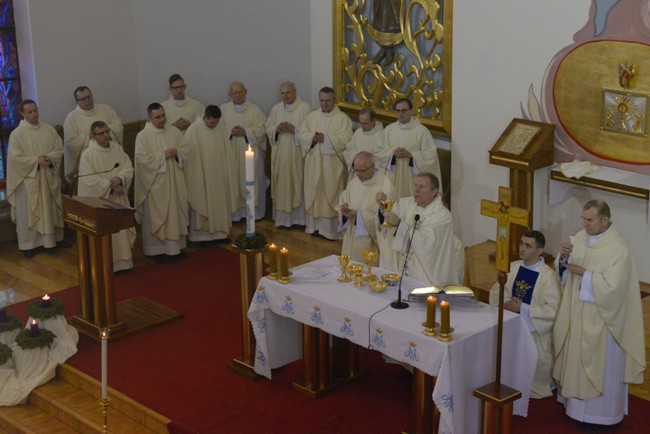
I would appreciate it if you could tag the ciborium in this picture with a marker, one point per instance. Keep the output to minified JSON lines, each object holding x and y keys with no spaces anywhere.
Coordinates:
{"x":344,"y":260}
{"x":369,"y":257}
{"x":387,"y":205}
{"x":358,"y":280}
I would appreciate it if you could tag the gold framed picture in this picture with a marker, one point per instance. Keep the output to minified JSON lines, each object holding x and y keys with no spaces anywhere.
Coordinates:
{"x":385,"y":50}
{"x":624,"y":112}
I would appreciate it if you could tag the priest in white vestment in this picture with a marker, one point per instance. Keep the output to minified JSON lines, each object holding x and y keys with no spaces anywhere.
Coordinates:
{"x":100,"y":178}
{"x":323,"y":137}
{"x":598,"y":335}
{"x":411,"y":150}
{"x":533,"y":291}
{"x":212,"y":178}
{"x":286,"y":157}
{"x":422,"y":243}
{"x":76,"y":127}
{"x":358,"y":206}
{"x":34,"y":183}
{"x":244,"y":122}
{"x":369,"y":137}
{"x":181,"y":110}
{"x":160,"y":193}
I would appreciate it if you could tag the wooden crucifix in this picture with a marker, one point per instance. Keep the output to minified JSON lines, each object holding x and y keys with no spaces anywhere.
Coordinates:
{"x":506,"y":214}
{"x":497,"y":398}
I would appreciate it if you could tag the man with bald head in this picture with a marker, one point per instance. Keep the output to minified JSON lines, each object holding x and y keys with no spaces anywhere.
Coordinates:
{"x":244,"y":122}
{"x":286,"y":157}
{"x":358,"y":206}
{"x":368,"y":137}
{"x":180,"y":109}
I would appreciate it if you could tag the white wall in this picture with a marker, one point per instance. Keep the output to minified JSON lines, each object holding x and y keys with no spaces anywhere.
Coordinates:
{"x":78,"y":42}
{"x":212,"y":43}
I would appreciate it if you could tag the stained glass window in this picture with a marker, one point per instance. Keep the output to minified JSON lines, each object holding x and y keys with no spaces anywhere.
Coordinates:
{"x":9,"y":79}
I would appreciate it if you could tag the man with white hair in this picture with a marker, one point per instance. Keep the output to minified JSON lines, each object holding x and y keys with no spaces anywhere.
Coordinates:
{"x":244,"y":122}
{"x":286,"y":157}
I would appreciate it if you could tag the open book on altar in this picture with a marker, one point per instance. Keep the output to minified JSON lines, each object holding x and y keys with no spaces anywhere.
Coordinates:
{"x":450,"y":290}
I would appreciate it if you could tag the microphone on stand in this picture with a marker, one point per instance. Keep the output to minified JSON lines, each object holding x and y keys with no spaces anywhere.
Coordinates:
{"x":89,"y":174}
{"x":399,"y":304}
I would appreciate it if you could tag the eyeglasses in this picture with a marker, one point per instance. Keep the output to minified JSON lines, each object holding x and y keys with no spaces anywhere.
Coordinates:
{"x":182,"y":86}
{"x":101,"y":133}
{"x":85,"y":98}
{"x":402,"y":110}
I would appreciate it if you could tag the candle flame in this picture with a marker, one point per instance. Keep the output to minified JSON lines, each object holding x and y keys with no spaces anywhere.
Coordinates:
{"x":33,"y":322}
{"x":284,"y":250}
{"x":249,"y":148}
{"x":46,"y":297}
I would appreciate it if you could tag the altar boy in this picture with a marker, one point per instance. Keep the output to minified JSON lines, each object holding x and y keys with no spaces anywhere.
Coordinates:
{"x":533,"y":291}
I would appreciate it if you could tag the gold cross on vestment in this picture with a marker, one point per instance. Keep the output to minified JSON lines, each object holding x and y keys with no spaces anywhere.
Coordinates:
{"x":506,"y":215}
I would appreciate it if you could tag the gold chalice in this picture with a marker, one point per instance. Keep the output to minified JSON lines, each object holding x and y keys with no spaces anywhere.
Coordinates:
{"x":358,"y":280}
{"x":387,"y":205}
{"x":344,"y":260}
{"x":369,"y":257}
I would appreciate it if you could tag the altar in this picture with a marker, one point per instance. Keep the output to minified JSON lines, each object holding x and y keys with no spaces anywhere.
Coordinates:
{"x":315,"y":298}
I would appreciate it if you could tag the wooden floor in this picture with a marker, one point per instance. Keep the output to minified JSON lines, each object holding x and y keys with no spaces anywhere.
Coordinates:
{"x":55,"y":270}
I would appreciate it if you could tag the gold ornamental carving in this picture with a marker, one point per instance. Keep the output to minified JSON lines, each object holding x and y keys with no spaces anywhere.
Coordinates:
{"x":385,"y":50}
{"x":81,"y":221}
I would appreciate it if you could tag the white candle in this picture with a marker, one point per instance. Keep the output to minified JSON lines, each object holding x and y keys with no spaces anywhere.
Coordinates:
{"x":104,"y":336}
{"x":250,"y":192}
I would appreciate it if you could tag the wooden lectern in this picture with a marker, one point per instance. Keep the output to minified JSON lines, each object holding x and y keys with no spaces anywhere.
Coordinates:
{"x":95,"y":220}
{"x":523,"y":147}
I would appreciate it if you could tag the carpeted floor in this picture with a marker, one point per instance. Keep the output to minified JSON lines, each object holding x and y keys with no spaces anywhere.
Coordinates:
{"x":180,"y":369}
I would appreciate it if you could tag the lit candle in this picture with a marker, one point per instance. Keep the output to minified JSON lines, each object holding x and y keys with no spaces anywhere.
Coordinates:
{"x":273,"y":258}
{"x":250,"y":192}
{"x":284,"y":262}
{"x":45,"y":301}
{"x":33,"y":331}
{"x":3,"y":314}
{"x":104,"y":336}
{"x":431,"y":312}
{"x":445,"y":323}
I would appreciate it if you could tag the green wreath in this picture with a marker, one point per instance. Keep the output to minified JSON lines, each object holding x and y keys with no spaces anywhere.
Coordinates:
{"x":36,"y":309}
{"x":257,"y":241}
{"x":26,"y":342}
{"x":12,"y":323}
{"x":5,"y":353}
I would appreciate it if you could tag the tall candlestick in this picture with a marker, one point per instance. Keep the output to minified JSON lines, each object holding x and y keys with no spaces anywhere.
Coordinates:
{"x":284,"y":262}
{"x":273,"y":258}
{"x":250,"y":192}
{"x":33,"y":330}
{"x":45,"y":301}
{"x":431,"y":312}
{"x":445,"y":323}
{"x":103,"y":333}
{"x":3,"y":314}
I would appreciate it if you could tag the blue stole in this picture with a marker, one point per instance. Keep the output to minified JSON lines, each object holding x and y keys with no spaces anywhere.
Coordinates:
{"x":524,"y":284}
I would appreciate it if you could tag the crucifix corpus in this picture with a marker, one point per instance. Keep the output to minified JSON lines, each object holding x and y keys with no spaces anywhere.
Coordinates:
{"x":497,"y":398}
{"x":506,"y":215}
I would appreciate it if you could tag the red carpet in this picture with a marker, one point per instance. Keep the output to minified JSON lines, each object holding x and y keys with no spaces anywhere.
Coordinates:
{"x":180,"y":369}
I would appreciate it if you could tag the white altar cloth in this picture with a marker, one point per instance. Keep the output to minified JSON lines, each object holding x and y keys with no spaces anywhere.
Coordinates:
{"x":314,"y":297}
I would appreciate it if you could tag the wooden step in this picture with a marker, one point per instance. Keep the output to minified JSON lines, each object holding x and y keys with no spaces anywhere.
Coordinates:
{"x":70,"y":404}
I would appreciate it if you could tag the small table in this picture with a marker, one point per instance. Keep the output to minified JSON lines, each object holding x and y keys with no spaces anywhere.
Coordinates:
{"x":316,"y":299}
